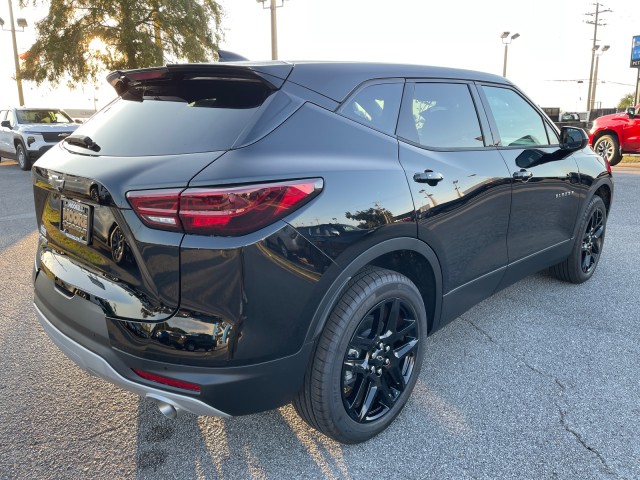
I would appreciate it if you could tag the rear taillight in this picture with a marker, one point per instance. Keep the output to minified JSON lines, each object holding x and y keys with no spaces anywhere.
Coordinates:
{"x":157,"y":208}
{"x":227,"y":211}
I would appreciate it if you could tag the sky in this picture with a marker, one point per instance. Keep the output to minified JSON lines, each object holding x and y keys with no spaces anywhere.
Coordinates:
{"x":547,"y":61}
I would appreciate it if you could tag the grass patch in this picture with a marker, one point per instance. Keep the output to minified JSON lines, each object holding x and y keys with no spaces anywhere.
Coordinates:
{"x":630,"y":159}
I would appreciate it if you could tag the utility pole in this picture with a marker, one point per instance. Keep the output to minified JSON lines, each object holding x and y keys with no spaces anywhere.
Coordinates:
{"x":273,"y":4}
{"x":15,"y":53}
{"x":595,"y":75}
{"x":594,"y":47}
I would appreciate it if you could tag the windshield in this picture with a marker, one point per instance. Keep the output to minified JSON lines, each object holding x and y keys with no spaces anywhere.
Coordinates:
{"x":42,"y":116}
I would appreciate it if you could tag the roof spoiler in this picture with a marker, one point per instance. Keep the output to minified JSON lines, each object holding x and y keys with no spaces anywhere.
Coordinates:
{"x":271,"y":74}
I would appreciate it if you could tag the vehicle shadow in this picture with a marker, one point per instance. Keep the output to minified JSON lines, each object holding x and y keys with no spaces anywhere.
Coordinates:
{"x":263,"y":445}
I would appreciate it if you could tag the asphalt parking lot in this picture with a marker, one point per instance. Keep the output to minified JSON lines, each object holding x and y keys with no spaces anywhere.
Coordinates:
{"x":540,"y":381}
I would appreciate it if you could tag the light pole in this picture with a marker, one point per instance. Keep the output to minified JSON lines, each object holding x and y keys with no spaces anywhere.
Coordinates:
{"x":506,"y":39}
{"x":22,"y":23}
{"x":592,"y":100}
{"x":273,"y":4}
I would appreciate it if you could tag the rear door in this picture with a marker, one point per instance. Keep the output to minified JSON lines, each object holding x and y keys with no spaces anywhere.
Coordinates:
{"x":545,"y":200}
{"x":460,"y":188}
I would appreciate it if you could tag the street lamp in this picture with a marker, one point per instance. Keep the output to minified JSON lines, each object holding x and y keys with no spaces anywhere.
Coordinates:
{"x":274,"y":29}
{"x":507,"y":41}
{"x":592,"y":100}
{"x":22,"y":23}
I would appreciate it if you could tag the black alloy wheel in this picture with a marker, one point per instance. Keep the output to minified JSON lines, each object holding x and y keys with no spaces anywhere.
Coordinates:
{"x":380,"y":360}
{"x":367,"y":359}
{"x":579,"y":266}
{"x":592,"y":241}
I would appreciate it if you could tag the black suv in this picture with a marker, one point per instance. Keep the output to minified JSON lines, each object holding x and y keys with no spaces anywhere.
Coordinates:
{"x":227,"y":238}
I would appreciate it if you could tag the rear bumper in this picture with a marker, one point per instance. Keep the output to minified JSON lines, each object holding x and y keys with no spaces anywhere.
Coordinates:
{"x":96,"y":365}
{"x":80,"y":329}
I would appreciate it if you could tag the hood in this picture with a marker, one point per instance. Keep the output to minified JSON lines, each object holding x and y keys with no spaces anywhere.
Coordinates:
{"x":44,"y":127}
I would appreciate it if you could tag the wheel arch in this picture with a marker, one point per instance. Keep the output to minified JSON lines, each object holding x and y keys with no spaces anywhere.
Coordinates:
{"x":17,"y":139}
{"x":605,"y":192}
{"x":606,"y":131}
{"x":603,"y":189}
{"x":408,"y":256}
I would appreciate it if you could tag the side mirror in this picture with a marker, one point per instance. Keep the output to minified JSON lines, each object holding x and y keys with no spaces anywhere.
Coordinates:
{"x":631,"y":112}
{"x":6,"y":124}
{"x":573,"y":139}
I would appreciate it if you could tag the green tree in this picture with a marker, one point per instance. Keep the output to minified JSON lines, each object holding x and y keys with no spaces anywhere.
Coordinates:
{"x":79,"y":39}
{"x":626,"y":101}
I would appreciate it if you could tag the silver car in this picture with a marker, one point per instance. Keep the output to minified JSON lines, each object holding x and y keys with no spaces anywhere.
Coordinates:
{"x":26,"y":133}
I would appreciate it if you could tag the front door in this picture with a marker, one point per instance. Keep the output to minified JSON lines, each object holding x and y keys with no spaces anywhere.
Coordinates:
{"x":460,"y":186}
{"x":545,"y":197}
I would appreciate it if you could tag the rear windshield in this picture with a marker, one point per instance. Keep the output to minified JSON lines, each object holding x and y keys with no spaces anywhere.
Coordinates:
{"x":175,"y":117}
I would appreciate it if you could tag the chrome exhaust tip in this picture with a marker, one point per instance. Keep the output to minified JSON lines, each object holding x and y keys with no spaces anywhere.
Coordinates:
{"x":166,"y":407}
{"x":167,"y":410}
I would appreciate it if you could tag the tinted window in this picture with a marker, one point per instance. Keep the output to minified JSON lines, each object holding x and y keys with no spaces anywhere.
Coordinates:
{"x":376,"y":106}
{"x":175,"y":117}
{"x":518,"y":122}
{"x":441,"y":115}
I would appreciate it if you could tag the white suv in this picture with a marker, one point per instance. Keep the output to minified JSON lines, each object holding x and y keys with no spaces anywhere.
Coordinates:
{"x":26,"y":133}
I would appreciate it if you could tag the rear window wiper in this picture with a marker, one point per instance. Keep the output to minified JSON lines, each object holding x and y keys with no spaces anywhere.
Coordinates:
{"x":83,"y":141}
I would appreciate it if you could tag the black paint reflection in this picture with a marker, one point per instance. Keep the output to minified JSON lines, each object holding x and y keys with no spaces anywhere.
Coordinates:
{"x":186,"y":338}
{"x":295,"y":252}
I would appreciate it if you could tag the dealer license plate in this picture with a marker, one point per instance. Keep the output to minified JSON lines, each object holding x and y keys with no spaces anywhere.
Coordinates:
{"x":76,"y":220}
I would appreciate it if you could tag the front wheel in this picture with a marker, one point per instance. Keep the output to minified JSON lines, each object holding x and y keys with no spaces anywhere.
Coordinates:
{"x":607,"y":147}
{"x":21,"y":154}
{"x":579,"y":266}
{"x":367,"y":359}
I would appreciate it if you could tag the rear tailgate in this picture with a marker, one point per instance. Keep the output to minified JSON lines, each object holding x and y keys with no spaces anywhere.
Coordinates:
{"x":168,"y":124}
{"x":94,"y":246}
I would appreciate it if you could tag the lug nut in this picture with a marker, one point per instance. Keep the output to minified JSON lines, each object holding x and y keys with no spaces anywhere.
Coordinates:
{"x":381,"y":345}
{"x":387,"y":361}
{"x":379,"y":371}
{"x":379,"y":358}
{"x":387,"y":348}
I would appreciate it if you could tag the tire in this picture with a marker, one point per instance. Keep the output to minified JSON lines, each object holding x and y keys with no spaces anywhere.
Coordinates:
{"x":579,"y":266}
{"x":608,"y":147}
{"x":21,"y":155}
{"x":367,"y":359}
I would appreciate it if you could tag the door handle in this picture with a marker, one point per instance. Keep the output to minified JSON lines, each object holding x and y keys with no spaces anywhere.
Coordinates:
{"x":428,"y":176}
{"x":523,"y":175}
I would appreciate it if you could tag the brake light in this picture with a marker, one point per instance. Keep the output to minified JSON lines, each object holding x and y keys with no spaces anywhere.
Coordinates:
{"x":172,"y":382}
{"x":226,"y":211}
{"x":157,"y":208}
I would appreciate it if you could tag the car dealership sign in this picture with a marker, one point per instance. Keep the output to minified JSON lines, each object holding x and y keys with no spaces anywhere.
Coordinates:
{"x":635,"y":52}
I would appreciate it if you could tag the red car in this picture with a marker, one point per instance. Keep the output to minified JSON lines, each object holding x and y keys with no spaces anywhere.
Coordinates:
{"x":613,"y":135}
